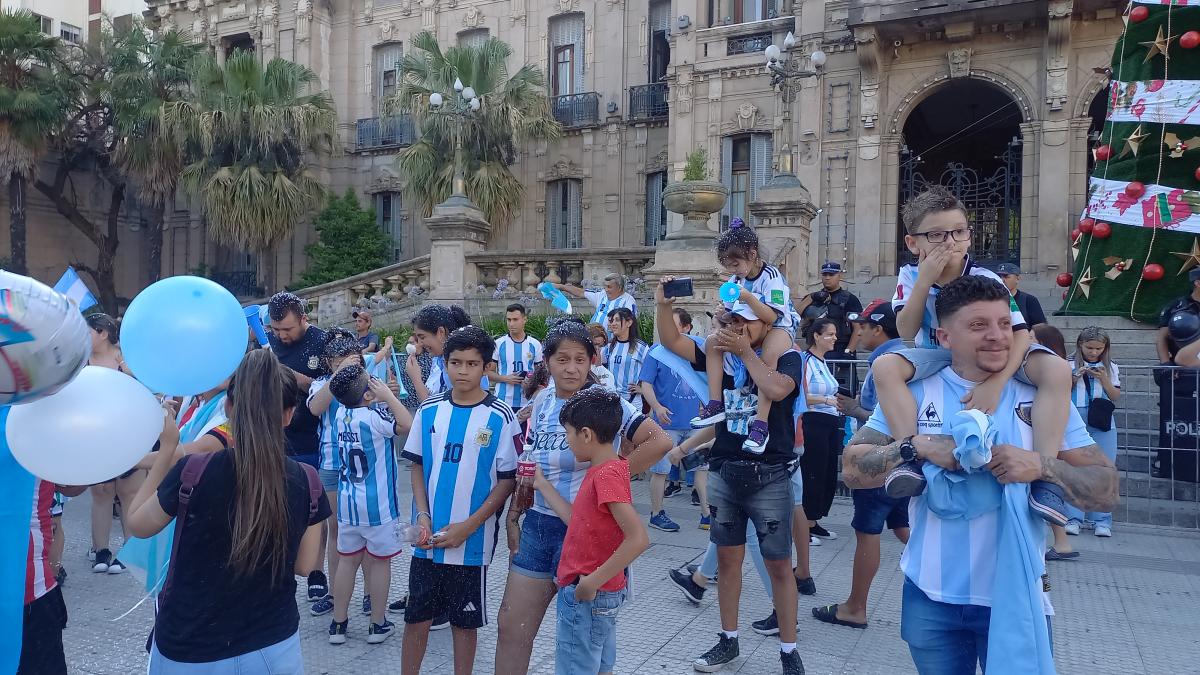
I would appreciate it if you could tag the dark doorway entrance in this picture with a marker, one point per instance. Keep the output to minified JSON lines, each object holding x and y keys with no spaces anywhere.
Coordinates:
{"x":966,"y":137}
{"x":1097,"y":113}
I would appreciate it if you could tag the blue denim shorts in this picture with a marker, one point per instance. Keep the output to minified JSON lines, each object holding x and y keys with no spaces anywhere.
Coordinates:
{"x":329,"y":479}
{"x":541,"y":545}
{"x":742,"y":491}
{"x":281,"y":658}
{"x":873,"y":508}
{"x":586,"y":632}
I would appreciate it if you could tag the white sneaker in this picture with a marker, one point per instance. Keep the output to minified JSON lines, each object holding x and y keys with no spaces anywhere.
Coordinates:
{"x":1072,"y":527}
{"x":813,"y":540}
{"x":1103,"y":531}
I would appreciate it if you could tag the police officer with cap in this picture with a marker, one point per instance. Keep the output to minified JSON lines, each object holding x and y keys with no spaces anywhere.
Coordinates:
{"x":836,"y":303}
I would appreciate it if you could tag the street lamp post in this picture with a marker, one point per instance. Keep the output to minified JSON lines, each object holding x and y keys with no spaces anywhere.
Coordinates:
{"x":785,"y":75}
{"x":460,"y":107}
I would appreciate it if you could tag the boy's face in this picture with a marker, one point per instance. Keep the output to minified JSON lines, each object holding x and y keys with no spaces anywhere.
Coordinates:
{"x":516,"y":322}
{"x":950,"y":224}
{"x":465,"y":368}
{"x":580,"y":442}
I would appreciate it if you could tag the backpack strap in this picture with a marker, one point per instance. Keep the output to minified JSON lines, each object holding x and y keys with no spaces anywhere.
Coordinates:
{"x":193,"y":469}
{"x":315,"y":490}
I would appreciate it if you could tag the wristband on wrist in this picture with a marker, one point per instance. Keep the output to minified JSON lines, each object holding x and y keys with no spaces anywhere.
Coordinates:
{"x":424,"y":513}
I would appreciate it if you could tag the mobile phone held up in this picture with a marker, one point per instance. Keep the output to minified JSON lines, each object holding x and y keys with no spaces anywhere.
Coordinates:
{"x":678,"y":288}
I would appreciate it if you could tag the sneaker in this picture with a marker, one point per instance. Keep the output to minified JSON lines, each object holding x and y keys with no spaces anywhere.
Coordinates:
{"x":366,"y":605}
{"x":116,"y":567}
{"x":337,"y":632}
{"x":1072,"y":527}
{"x":715,"y":659}
{"x":818,"y":531}
{"x":322,"y":606}
{"x":318,"y":586}
{"x":103,"y":558}
{"x":806,"y":586}
{"x":672,"y":490}
{"x":1103,"y":531}
{"x":813,"y":541}
{"x":711,"y":413}
{"x":691,"y":590}
{"x":440,"y":622}
{"x":1053,"y":554}
{"x":705,"y":523}
{"x":91,"y":555}
{"x":905,"y":480}
{"x":768,"y":626}
{"x":695,"y":497}
{"x":399,"y":605}
{"x":661,"y":521}
{"x":1048,"y":501}
{"x":792,"y":665}
{"x":378,"y":632}
{"x":692,"y":569}
{"x":756,"y":442}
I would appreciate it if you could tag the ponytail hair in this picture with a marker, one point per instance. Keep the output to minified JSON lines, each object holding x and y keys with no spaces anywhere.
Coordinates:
{"x":432,"y":317}
{"x":260,"y":393}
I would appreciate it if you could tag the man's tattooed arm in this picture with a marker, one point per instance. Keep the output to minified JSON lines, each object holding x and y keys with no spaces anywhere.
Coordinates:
{"x":1086,"y":475}
{"x":868,"y":457}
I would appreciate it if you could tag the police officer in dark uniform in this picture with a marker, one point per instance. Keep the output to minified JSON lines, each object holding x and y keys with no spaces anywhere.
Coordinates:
{"x":1178,"y":387}
{"x":836,"y":303}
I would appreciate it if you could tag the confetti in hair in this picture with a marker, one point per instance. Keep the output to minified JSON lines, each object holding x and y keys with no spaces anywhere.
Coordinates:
{"x":568,"y":329}
{"x":282,"y":304}
{"x":738,"y":243}
{"x":349,"y":384}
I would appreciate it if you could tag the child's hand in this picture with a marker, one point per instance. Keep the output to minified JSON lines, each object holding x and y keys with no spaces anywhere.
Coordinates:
{"x":539,"y":480}
{"x":930,"y":265}
{"x":675,"y":456}
{"x":985,"y":397}
{"x":585,"y":589}
{"x":452,"y":536}
{"x":169,"y":436}
{"x":745,"y":296}
{"x":380,"y":389}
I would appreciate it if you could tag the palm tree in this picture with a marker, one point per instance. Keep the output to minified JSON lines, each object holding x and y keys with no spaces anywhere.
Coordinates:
{"x":149,"y":72}
{"x":514,"y":111}
{"x":31,"y":108}
{"x":249,"y":131}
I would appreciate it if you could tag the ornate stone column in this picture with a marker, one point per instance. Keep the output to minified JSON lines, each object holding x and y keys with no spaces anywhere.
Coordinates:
{"x":457,"y":228}
{"x":785,"y":211}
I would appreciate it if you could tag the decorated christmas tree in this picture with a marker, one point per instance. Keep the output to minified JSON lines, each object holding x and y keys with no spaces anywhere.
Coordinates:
{"x":1140,"y":232}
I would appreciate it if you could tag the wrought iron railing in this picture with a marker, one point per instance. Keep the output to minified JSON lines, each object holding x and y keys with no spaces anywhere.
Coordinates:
{"x":748,"y":44}
{"x":576,"y":110}
{"x":383,"y":132}
{"x":243,"y":284}
{"x":648,"y":101}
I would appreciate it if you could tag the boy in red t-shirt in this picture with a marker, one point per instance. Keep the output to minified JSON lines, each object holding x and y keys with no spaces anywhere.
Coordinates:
{"x":604,"y":533}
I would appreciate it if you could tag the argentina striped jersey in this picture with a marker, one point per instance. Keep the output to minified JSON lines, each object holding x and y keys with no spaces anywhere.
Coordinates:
{"x":511,"y":358}
{"x":463,"y":452}
{"x":328,"y":425}
{"x":772,"y":289}
{"x":625,"y":363}
{"x":927,"y":334}
{"x":367,"y":464}
{"x":604,"y":305}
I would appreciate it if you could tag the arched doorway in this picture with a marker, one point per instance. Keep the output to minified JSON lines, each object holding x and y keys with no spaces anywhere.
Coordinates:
{"x":966,"y":136}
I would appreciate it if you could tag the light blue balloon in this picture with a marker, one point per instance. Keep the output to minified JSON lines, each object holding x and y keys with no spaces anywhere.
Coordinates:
{"x":15,"y":512}
{"x":183,"y":335}
{"x":730,"y":291}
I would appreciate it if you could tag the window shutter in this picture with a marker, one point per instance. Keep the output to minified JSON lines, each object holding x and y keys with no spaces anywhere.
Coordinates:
{"x":656,"y":228}
{"x":553,"y":214}
{"x":397,"y":227}
{"x":568,"y":30}
{"x":387,"y":57}
{"x":574,"y":214}
{"x":660,"y":15}
{"x":760,"y":165}
{"x":726,"y":175}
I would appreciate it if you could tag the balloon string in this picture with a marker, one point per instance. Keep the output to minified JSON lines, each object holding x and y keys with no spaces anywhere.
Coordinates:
{"x":150,"y":593}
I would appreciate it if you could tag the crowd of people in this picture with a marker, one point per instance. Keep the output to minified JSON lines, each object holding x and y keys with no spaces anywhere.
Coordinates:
{"x":292,"y":467}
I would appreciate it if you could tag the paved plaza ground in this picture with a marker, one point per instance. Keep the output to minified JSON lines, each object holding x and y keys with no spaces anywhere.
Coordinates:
{"x":1130,"y":604}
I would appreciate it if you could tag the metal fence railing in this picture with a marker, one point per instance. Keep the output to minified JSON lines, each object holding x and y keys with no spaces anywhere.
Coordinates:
{"x":382,"y":132}
{"x":1158,"y":442}
{"x":576,"y":110}
{"x":648,"y":101}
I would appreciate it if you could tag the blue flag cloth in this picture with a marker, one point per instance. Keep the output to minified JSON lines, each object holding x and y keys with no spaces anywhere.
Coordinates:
{"x":557,"y":299}
{"x":15,"y":514}
{"x":697,"y":380}
{"x":73,"y":287}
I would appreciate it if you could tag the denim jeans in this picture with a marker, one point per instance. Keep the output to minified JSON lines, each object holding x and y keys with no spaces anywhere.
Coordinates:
{"x":586,"y":632}
{"x":1107,"y":440}
{"x":745,"y":492}
{"x":708,"y":566}
{"x":281,"y":658}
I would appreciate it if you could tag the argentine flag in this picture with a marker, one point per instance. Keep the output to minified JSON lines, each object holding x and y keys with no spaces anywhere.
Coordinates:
{"x":73,"y":287}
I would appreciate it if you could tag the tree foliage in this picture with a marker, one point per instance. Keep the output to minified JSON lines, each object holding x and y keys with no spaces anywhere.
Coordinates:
{"x":349,"y":242}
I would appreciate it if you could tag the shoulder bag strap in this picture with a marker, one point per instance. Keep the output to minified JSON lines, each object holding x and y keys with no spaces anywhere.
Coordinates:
{"x":315,"y":490}
{"x":193,"y":469}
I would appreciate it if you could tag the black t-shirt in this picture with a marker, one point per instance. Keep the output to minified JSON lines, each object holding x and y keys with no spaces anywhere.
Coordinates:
{"x":209,"y":613}
{"x":304,"y":357}
{"x":781,"y":423}
{"x":1030,"y":308}
{"x":1184,"y":304}
{"x":838,"y":306}
{"x":368,"y":341}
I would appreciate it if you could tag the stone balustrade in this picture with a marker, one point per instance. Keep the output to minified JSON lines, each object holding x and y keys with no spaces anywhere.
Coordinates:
{"x":522,"y":271}
{"x":384,"y":288}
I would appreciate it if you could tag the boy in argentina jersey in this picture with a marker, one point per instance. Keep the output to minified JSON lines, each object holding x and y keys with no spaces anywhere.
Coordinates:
{"x":370,"y":417}
{"x":464,"y":443}
{"x":624,"y":355}
{"x":516,"y":355}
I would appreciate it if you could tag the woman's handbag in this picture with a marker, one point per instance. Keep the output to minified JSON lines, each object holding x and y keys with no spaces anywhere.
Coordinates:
{"x":1100,"y":410}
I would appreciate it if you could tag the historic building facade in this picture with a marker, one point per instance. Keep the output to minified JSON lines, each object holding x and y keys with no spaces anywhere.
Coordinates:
{"x":993,"y":97}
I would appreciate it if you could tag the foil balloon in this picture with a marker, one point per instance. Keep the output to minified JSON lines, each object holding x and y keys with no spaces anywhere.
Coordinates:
{"x":44,"y":341}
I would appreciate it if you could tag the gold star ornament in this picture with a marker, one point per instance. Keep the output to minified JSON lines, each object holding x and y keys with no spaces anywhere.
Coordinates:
{"x":1157,"y":46}
{"x":1134,"y":142}
{"x":1190,"y":258}
{"x":1085,"y":282}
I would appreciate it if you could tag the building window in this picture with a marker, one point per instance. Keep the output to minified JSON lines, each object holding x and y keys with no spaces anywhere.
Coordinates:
{"x":72,"y":34}
{"x":656,"y":210}
{"x":242,"y":42}
{"x":745,"y":167}
{"x":566,"y":54}
{"x":387,"y":216}
{"x":564,"y":214}
{"x":387,"y":74}
{"x":745,"y":11}
{"x":473,"y":38}
{"x":45,"y":24}
{"x":660,"y":47}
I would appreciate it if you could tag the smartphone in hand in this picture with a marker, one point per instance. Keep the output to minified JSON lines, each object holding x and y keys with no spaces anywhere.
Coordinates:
{"x":678,"y":288}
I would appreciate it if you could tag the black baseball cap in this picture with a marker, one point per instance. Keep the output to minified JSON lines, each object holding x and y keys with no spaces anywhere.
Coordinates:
{"x":879,"y":313}
{"x":1008,"y":269}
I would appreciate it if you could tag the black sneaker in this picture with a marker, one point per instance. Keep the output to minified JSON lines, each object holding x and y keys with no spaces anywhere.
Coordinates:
{"x":806,"y":586}
{"x":337,"y":632}
{"x":792,"y":665}
{"x":818,"y":531}
{"x":322,"y":606}
{"x":905,"y":480}
{"x":103,"y":558}
{"x":318,"y":586}
{"x":715,"y":659}
{"x":695,"y":497}
{"x":116,"y":567}
{"x":691,"y":590}
{"x":378,"y":632}
{"x":1047,"y":500}
{"x":672,"y":489}
{"x":693,"y":568}
{"x":399,"y":605}
{"x":768,"y":626}
{"x":366,"y":605}
{"x":440,"y":622}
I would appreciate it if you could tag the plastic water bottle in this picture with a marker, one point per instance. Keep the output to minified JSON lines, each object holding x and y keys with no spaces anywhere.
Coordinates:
{"x":526,"y":468}
{"x":408,"y":533}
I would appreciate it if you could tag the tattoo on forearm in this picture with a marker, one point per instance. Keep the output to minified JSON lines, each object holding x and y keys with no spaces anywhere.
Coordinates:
{"x":870,"y":465}
{"x":878,"y":461}
{"x":1092,"y":487}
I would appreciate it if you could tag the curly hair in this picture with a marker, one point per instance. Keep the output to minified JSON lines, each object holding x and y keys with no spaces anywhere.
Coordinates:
{"x":739,"y":242}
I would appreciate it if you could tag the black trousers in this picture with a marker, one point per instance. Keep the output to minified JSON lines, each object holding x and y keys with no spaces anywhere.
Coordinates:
{"x":41,"y":636}
{"x":823,"y":434}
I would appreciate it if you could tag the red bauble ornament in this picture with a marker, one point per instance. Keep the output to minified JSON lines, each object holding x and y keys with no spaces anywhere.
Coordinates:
{"x":1135,"y":189}
{"x":1103,"y":153}
{"x":1101,"y":230}
{"x":1155,"y":85}
{"x":1085,"y":226}
{"x":1190,"y":39}
{"x":1064,"y":279}
{"x":1153,"y":272}
{"x":1139,"y":14}
{"x":1198,"y":173}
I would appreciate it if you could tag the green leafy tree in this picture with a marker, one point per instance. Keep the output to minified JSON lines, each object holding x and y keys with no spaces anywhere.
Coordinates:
{"x":31,"y":109}
{"x":349,"y":242}
{"x":514,"y":112}
{"x":250,"y":131}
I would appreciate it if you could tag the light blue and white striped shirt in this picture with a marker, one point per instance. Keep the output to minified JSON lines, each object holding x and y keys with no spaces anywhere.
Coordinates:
{"x":625,"y":363}
{"x":1080,"y":396}
{"x":463,"y":451}
{"x":367,"y":482}
{"x":604,"y":306}
{"x":819,"y":382}
{"x":511,"y":358}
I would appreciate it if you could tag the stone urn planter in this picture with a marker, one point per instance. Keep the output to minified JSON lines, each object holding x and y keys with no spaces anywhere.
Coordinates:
{"x":696,"y":201}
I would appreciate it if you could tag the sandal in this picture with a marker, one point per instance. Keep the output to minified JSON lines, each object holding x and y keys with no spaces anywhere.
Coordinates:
{"x":828,"y":614}
{"x":1052,"y":554}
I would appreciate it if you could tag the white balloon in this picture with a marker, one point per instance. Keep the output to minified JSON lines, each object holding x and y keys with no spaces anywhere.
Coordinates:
{"x":94,"y":429}
{"x":44,"y":340}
